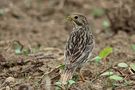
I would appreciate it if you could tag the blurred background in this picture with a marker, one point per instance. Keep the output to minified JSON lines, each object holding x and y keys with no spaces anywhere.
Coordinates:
{"x":40,"y":26}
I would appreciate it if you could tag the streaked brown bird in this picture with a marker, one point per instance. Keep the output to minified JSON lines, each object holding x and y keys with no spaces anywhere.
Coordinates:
{"x":79,"y":46}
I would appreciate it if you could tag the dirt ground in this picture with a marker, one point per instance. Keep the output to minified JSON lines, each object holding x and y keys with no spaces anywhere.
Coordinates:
{"x":40,"y":26}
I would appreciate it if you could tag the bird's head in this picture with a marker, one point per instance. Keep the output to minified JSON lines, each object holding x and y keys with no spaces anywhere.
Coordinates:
{"x":78,"y":20}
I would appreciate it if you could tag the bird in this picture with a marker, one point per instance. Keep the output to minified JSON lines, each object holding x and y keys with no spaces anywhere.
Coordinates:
{"x":79,"y":46}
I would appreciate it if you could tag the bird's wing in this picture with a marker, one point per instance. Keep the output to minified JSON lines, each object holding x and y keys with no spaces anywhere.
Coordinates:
{"x":78,"y":47}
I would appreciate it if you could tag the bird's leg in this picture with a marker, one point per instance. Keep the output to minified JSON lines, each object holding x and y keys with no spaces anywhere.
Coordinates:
{"x":81,"y":76}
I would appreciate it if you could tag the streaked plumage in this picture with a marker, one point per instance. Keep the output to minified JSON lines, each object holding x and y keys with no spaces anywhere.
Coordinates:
{"x":79,"y":46}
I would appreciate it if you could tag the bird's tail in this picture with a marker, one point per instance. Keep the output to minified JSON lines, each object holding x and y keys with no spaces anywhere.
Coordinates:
{"x":66,"y":75}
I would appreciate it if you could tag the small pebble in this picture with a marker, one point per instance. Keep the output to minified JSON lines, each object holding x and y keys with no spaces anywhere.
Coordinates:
{"x":10,"y":79}
{"x":8,"y":88}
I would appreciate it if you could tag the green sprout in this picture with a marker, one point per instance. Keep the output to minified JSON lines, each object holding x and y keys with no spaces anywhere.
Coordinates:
{"x":108,"y":73}
{"x":2,"y":12}
{"x":26,"y":51}
{"x":132,"y":66}
{"x":133,"y":47}
{"x":123,"y":65}
{"x":116,"y":78}
{"x":71,"y":82}
{"x":19,"y":49}
{"x":106,"y":24}
{"x":98,"y":12}
{"x":62,"y":66}
{"x":103,"y":54}
{"x":58,"y":85}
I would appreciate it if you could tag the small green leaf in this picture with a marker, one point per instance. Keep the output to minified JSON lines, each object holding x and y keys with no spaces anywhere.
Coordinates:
{"x":123,"y":65}
{"x":18,"y":51}
{"x":18,"y":47}
{"x":26,"y":51}
{"x":116,"y":77}
{"x":2,"y":12}
{"x":57,"y":88}
{"x":75,"y":77}
{"x":132,"y":65}
{"x":71,"y":82}
{"x":105,"y":52}
{"x":133,"y":47}
{"x":106,"y":24}
{"x":107,"y":74}
{"x":58,"y":83}
{"x":98,"y":12}
{"x":62,"y":66}
{"x":97,"y":59}
{"x":128,"y":82}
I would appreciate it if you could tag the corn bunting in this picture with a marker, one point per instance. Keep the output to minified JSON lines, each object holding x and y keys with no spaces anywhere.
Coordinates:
{"x":79,"y":46}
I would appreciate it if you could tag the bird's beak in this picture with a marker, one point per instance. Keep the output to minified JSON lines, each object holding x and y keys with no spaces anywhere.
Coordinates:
{"x":69,"y":18}
{"x":72,"y":20}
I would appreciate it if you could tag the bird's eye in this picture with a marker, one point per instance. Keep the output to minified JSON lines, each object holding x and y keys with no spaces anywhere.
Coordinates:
{"x":76,"y":17}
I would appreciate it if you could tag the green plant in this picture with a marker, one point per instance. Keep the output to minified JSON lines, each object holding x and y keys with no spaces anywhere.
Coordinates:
{"x":19,"y":49}
{"x":115,"y":77}
{"x":133,"y":47}
{"x":106,"y":24}
{"x":60,"y":87}
{"x":108,"y":73}
{"x":61,"y":66}
{"x":103,"y":54}
{"x":132,"y":66}
{"x":71,"y":82}
{"x":98,"y":12}
{"x":2,"y":12}
{"x":17,"y":46}
{"x":26,"y":51}
{"x":123,"y":65}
